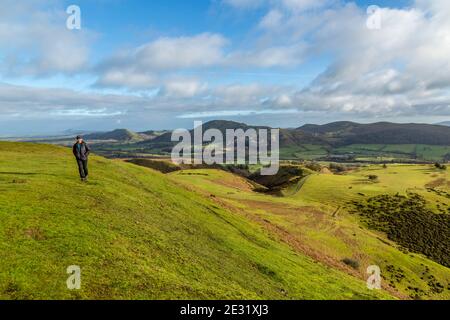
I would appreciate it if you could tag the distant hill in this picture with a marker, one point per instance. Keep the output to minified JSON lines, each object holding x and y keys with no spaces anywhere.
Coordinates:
{"x":347,"y":133}
{"x":334,"y":127}
{"x":445,"y":123}
{"x":221,"y":125}
{"x":122,"y":135}
{"x":152,"y":134}
{"x":340,"y":141}
{"x":288,"y":137}
{"x":343,"y":133}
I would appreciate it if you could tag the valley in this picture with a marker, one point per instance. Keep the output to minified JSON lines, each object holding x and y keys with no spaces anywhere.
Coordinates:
{"x":318,"y":221}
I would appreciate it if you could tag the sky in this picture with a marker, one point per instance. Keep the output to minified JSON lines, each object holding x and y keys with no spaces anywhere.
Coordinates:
{"x":164,"y":64}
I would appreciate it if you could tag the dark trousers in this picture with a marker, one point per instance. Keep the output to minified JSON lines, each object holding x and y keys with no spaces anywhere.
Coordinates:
{"x":83,"y":168}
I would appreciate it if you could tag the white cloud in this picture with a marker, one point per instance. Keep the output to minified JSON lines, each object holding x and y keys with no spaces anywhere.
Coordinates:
{"x":235,"y":113}
{"x":272,"y":19}
{"x":401,"y":69}
{"x":34,"y":40}
{"x":183,"y":52}
{"x":116,"y":77}
{"x":151,"y":63}
{"x":146,"y":66}
{"x":277,"y":56}
{"x":183,"y":88}
{"x":44,"y":103}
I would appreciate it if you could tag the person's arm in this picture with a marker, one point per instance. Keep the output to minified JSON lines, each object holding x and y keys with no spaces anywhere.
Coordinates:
{"x":74,"y":151}
{"x":88,"y":150}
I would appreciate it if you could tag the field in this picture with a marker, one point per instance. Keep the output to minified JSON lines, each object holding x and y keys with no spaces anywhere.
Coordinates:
{"x":369,"y":152}
{"x":399,"y":152}
{"x":138,"y":234}
{"x":304,"y":152}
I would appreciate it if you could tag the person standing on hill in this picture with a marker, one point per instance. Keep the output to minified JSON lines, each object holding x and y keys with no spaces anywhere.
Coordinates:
{"x":81,"y":152}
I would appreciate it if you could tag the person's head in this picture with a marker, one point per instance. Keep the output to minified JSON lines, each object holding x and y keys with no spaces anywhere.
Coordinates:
{"x":79,"y":139}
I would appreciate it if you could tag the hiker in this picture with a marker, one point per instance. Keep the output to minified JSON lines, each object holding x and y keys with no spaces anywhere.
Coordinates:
{"x":81,"y":152}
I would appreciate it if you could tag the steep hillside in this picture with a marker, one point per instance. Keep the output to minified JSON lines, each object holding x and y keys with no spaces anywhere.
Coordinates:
{"x":349,"y":222}
{"x":137,"y":234}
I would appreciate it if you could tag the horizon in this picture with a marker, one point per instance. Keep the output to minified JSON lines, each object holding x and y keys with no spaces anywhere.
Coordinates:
{"x":71,"y":131}
{"x":279,"y":63}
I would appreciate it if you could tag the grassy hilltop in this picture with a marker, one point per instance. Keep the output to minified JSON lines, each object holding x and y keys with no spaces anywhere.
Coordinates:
{"x":137,"y":234}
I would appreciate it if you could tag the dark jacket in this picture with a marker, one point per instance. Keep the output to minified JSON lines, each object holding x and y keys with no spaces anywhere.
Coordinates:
{"x":81,"y":153}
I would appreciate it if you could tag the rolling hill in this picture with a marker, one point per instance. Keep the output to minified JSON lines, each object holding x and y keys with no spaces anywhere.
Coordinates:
{"x":344,"y":133}
{"x":348,"y":133}
{"x":338,"y":141}
{"x":220,"y":125}
{"x":137,"y":234}
{"x":122,"y":135}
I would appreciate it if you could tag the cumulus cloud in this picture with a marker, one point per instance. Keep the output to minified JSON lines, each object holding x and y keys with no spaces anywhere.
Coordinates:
{"x":123,"y":77}
{"x":26,"y":102}
{"x":142,"y":67}
{"x":276,"y":56}
{"x":146,"y":65}
{"x":401,"y":69}
{"x":183,"y":52}
{"x":34,"y":40}
{"x":272,"y":19}
{"x":183,"y":88}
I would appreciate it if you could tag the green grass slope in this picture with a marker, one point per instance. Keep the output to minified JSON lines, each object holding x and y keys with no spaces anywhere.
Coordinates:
{"x":314,"y":219}
{"x":138,"y":235}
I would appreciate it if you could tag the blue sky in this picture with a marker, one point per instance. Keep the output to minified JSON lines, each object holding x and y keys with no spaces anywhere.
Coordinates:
{"x":163,"y":64}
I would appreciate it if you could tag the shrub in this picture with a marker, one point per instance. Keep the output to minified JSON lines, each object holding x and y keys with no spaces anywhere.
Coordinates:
{"x":352,"y":263}
{"x":314,"y":166}
{"x":409,"y":222}
{"x":336,"y":167}
{"x":440,"y":166}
